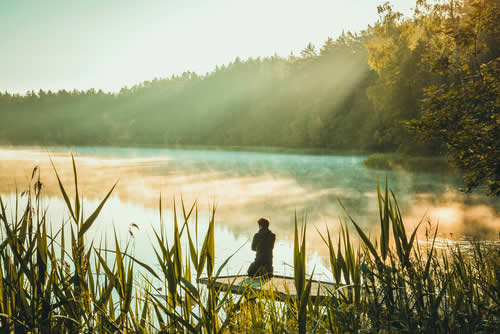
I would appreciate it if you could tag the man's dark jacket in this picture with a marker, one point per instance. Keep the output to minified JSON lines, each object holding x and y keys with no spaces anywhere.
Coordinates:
{"x":262,"y":244}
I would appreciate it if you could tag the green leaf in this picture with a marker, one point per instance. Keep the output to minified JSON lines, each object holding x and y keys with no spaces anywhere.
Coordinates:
{"x":145,"y":266}
{"x":90,"y":220}
{"x":363,"y":236}
{"x":63,"y":192}
{"x":77,"y":200}
{"x":191,"y":288}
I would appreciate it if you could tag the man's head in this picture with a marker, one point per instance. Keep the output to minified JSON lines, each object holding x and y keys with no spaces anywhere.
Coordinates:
{"x":263,"y":223}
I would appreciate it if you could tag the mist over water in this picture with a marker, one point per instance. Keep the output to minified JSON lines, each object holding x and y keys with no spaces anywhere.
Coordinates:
{"x":243,"y":186}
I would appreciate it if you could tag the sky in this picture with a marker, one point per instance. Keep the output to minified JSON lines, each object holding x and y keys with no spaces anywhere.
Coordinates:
{"x":109,"y":44}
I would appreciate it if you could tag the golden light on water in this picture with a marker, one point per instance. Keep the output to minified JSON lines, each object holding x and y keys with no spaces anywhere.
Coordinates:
{"x":241,"y":197}
{"x":446,"y":215}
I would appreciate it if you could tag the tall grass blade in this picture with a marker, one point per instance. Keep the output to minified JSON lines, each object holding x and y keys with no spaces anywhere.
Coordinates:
{"x":363,"y":236}
{"x":90,"y":220}
{"x":63,"y":192}
{"x":77,"y":199}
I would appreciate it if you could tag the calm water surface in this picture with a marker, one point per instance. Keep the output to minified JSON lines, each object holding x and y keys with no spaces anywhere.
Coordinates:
{"x":244,"y":186}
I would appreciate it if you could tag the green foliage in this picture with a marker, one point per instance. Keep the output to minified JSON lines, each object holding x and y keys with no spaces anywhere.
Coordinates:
{"x":302,"y":285}
{"x":397,"y":59}
{"x":408,"y":289}
{"x":462,"y":107}
{"x":466,"y":116}
{"x":441,"y":69}
{"x":388,"y":161}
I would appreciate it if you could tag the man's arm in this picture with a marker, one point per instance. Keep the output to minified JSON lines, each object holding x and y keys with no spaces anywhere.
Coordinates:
{"x":254,"y":243}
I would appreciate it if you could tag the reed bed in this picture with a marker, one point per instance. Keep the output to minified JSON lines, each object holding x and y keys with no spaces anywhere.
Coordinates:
{"x":63,"y":282}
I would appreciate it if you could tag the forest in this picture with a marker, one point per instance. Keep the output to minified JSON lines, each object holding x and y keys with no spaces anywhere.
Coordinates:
{"x":422,"y":85}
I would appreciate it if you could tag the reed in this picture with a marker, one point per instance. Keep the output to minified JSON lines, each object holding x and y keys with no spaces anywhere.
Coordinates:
{"x":63,"y":282}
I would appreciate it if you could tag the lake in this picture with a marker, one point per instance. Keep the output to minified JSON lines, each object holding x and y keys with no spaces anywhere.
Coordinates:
{"x":243,"y":186}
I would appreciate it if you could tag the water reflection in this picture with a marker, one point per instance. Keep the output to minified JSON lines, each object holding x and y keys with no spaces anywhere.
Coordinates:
{"x":246,"y":186}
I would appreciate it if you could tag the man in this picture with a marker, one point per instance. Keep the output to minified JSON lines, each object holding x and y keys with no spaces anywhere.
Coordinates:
{"x":262,"y":244}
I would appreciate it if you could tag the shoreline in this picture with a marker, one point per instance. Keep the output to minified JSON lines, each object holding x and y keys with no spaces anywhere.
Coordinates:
{"x":215,"y":148}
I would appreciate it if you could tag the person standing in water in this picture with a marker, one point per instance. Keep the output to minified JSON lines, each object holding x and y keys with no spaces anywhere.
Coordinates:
{"x":262,"y":244}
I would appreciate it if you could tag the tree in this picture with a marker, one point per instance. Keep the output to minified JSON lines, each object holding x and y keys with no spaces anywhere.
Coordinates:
{"x":463,"y":110}
{"x":395,"y":52}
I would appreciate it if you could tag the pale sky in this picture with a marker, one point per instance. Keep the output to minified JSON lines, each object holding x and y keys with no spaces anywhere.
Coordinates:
{"x":107,"y":44}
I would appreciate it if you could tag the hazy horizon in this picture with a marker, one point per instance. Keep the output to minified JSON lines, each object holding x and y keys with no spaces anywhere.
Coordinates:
{"x":72,"y":45}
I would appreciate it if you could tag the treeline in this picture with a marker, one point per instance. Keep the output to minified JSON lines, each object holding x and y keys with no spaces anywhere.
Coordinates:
{"x":425,"y":84}
{"x":317,"y":99}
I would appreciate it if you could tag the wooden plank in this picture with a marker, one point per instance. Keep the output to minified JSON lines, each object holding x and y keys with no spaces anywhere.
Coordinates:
{"x":282,"y":287}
